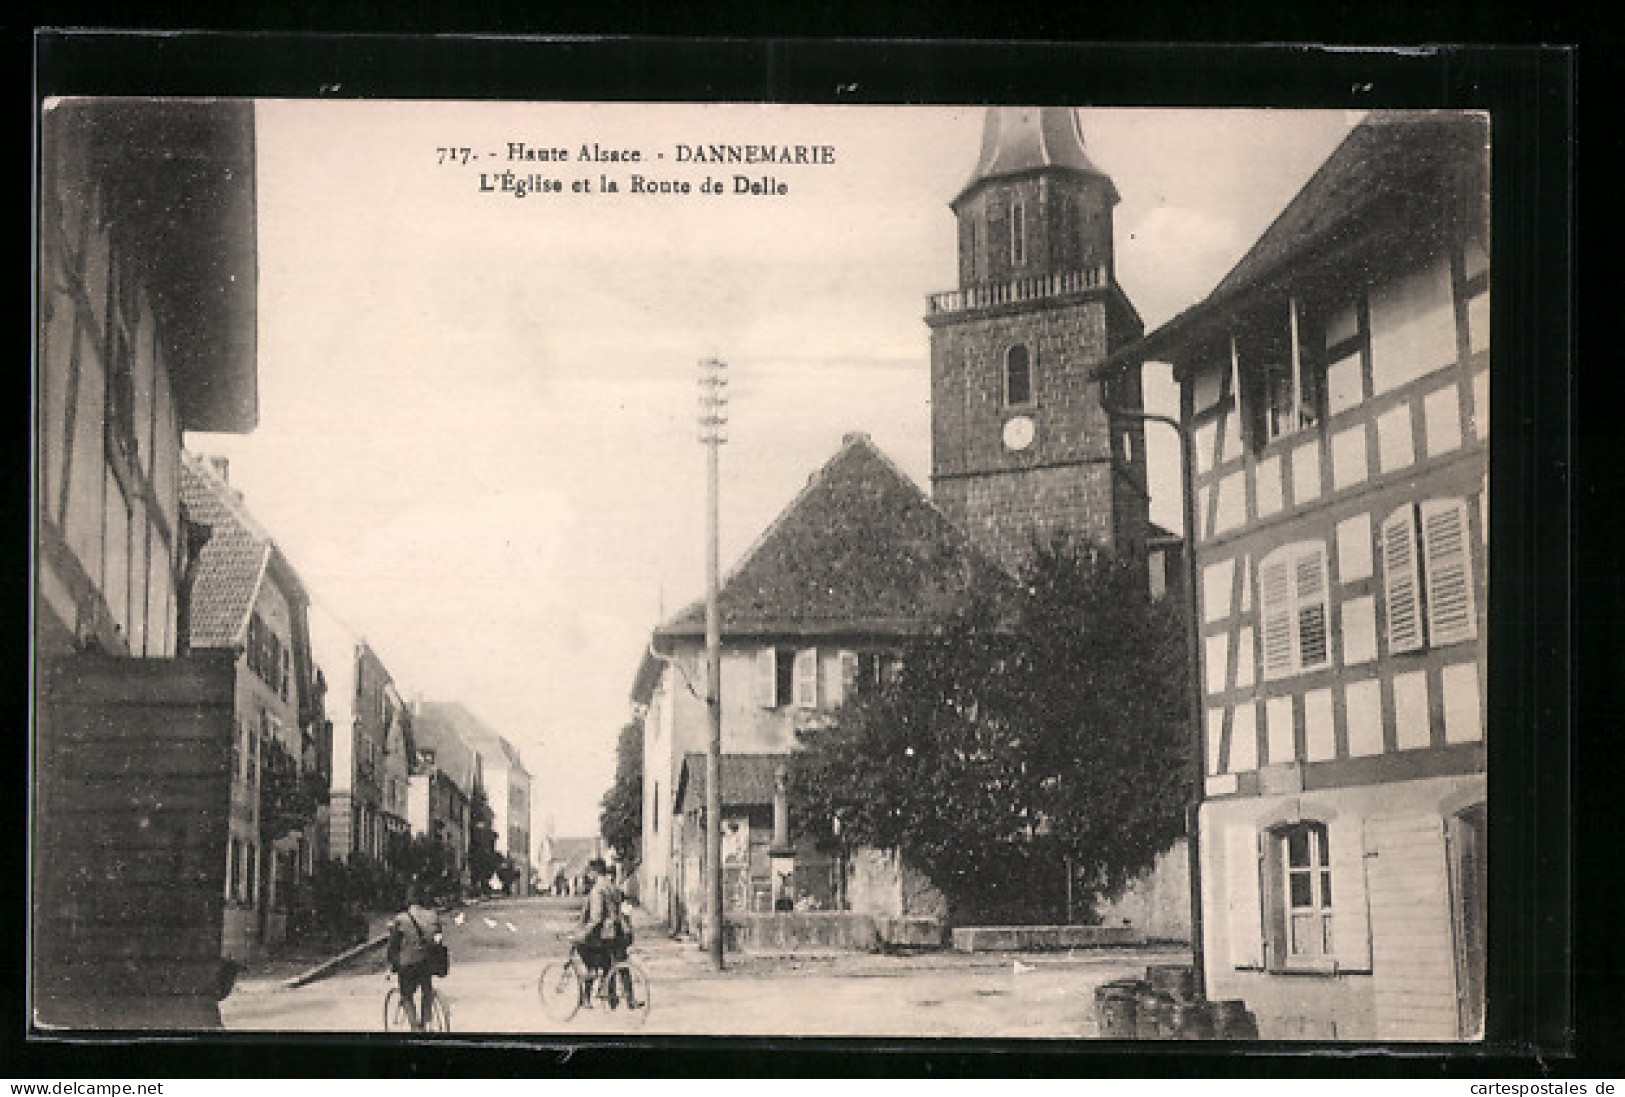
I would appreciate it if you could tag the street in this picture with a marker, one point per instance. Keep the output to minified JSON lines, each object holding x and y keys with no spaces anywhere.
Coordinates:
{"x":500,"y":947}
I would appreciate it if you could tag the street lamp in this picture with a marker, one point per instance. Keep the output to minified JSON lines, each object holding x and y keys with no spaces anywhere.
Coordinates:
{"x":1187,"y":470}
{"x":712,"y":421}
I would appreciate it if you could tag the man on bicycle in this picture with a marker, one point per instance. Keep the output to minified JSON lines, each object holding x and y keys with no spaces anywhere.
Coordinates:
{"x":605,"y":935}
{"x":410,"y":934}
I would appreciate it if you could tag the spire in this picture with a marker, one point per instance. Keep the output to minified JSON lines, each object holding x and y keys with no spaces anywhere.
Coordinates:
{"x":1023,"y":139}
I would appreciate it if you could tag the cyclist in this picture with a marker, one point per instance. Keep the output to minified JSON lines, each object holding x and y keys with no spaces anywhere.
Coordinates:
{"x":605,"y":934}
{"x":410,"y":934}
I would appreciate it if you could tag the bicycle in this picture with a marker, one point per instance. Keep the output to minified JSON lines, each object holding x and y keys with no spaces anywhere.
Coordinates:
{"x":564,"y":987}
{"x":396,"y":1019}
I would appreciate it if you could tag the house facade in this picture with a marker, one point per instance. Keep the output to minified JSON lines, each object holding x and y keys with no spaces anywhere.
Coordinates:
{"x":1335,"y":387}
{"x":373,"y":748}
{"x":506,"y":781}
{"x":444,"y":778}
{"x":248,"y":600}
{"x":146,"y":328}
{"x":859,"y":563}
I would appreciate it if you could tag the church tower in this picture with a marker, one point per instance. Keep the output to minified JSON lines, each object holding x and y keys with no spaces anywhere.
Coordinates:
{"x":1021,"y":446}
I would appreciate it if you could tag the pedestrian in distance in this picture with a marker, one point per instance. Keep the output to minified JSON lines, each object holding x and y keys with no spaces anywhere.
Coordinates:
{"x":415,"y":936}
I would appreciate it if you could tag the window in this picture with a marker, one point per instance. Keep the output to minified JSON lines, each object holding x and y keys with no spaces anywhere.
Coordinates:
{"x":1427,"y":576}
{"x":1306,"y":894}
{"x":1018,"y":234}
{"x":1018,"y":377}
{"x":1292,"y":600}
{"x":1287,"y":383}
{"x":775,"y":677}
{"x":806,"y":678}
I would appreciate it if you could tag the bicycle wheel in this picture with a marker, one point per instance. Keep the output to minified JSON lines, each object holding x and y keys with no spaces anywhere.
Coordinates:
{"x":395,"y":1017}
{"x":439,"y":1019}
{"x":559,"y":988}
{"x":635,"y":1009}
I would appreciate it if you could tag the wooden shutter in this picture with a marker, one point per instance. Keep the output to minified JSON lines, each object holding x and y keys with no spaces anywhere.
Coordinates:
{"x":1351,"y":919}
{"x":767,"y":678}
{"x":1400,"y":586}
{"x":1309,"y":588}
{"x":1413,"y":963}
{"x":1448,"y":570}
{"x":848,"y":682}
{"x":1243,"y":906}
{"x":806,"y":668}
{"x":1275,"y":611}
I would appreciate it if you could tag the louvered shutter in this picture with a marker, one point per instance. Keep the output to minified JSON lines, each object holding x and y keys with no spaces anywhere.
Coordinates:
{"x":1243,"y":905}
{"x":807,"y":678}
{"x":1309,"y":586}
{"x":1351,"y":922}
{"x":1448,"y":570}
{"x":767,"y":677}
{"x":1400,"y":585}
{"x":1275,"y":610}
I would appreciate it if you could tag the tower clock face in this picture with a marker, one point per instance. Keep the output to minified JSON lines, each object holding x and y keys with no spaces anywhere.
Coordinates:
{"x":1018,"y":433}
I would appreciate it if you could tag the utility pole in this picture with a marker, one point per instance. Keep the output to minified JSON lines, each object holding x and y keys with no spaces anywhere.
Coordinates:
{"x":1193,"y":656}
{"x":712,"y":421}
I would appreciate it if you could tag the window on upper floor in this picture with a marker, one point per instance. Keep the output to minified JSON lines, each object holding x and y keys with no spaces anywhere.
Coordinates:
{"x":775,"y":684}
{"x":1428,"y":576}
{"x":1018,"y":377}
{"x":1283,"y":379}
{"x":1018,"y":235}
{"x":1292,"y":595}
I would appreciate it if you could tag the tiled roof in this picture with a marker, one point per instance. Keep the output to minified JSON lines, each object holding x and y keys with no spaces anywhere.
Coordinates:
{"x":1389,"y":153}
{"x":452,"y":756}
{"x":232,"y":561}
{"x":747,"y":780}
{"x":1404,"y":168}
{"x":860,"y":551}
{"x":492,"y":747}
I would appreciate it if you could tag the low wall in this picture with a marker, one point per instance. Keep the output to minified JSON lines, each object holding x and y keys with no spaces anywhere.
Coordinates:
{"x":897,"y":932}
{"x":810,"y":929}
{"x":1040,"y":938}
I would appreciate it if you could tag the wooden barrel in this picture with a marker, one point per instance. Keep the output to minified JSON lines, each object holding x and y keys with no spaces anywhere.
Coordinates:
{"x":1151,"y":1015}
{"x":1117,"y":1012}
{"x":1232,"y":1021}
{"x":1190,"y":1020}
{"x":1178,"y":981}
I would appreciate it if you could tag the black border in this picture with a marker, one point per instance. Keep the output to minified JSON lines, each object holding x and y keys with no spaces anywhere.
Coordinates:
{"x":1531,"y":94}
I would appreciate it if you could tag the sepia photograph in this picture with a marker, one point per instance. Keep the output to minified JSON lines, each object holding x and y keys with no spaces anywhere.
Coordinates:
{"x":564,"y":570}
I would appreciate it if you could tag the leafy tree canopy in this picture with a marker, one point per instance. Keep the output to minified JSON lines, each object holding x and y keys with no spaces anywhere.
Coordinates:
{"x":1046,"y":721}
{"x":620,"y":815}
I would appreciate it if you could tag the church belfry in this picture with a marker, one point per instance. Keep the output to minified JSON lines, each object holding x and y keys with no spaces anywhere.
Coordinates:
{"x":1021,"y":446}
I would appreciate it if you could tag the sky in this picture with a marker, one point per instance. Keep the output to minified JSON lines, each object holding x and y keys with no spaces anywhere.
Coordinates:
{"x":477,"y":439}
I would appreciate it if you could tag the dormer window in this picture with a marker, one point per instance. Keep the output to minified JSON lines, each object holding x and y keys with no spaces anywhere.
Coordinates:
{"x":1018,"y":377}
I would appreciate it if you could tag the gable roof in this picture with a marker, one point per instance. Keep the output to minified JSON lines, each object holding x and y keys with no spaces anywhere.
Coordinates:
{"x":747,"y":780}
{"x":1397,"y":171}
{"x":861,"y":550}
{"x":233,"y":562}
{"x":494,"y":750}
{"x":433,"y":730}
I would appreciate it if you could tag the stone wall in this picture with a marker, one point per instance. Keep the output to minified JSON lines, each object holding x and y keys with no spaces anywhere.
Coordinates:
{"x":1157,"y":905}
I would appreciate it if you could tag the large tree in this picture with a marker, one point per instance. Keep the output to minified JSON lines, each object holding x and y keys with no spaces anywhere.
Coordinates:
{"x":620,"y":814}
{"x":1044,"y":725}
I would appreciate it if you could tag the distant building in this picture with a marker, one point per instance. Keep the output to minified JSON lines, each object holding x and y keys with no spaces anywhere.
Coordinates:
{"x":248,"y":600}
{"x":373,"y":748}
{"x":146,"y":295}
{"x":507,"y":783}
{"x":856,"y":566}
{"x":1336,"y":386}
{"x":563,"y":862}
{"x":442,"y":782}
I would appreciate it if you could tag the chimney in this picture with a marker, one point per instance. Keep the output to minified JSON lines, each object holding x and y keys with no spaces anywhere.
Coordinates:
{"x":221,"y":467}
